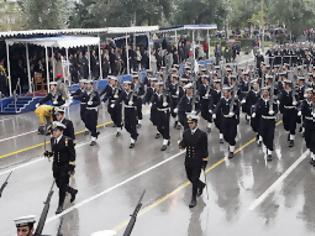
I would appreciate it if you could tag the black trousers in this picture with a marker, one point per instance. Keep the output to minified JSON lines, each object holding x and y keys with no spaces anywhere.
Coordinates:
{"x":254,"y":123}
{"x":229,"y":130}
{"x":139,"y":109}
{"x":62,"y":177}
{"x":153,"y":115}
{"x":309,"y":133}
{"x":82,"y":113}
{"x":116,"y":114}
{"x":267,"y":132}
{"x":131,"y":122}
{"x":173,"y":106}
{"x":91,"y":118}
{"x":205,"y":110}
{"x":182,"y":118}
{"x":163,"y":123}
{"x":193,"y":171}
{"x":289,"y":120}
{"x":218,"y":121}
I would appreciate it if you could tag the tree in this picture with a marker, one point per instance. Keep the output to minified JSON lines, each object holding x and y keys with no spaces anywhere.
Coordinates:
{"x":10,"y":16}
{"x":48,"y":14}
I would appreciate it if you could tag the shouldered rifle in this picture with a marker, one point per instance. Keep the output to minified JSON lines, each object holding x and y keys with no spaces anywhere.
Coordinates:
{"x":43,"y":216}
{"x":134,"y":215}
{"x":291,"y":77}
{"x":5,"y":184}
{"x":272,"y":91}
{"x":234,"y":90}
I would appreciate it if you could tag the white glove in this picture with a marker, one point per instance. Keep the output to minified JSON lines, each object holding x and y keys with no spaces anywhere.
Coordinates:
{"x":243,"y":101}
{"x":294,"y":103}
{"x":254,"y":115}
{"x":299,"y":113}
{"x":231,"y":114}
{"x":112,"y":105}
{"x":55,"y":102}
{"x":176,"y":110}
{"x":271,"y":113}
{"x":210,"y":111}
{"x":206,"y":96}
{"x":278,"y":102}
{"x":313,"y":114}
{"x":165,"y":104}
{"x":37,"y":105}
{"x":89,"y":103}
{"x":214,"y":116}
{"x":150,"y":104}
{"x":130,"y":103}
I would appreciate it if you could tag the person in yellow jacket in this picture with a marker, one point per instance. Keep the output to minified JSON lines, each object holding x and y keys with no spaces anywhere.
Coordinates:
{"x":45,"y":116}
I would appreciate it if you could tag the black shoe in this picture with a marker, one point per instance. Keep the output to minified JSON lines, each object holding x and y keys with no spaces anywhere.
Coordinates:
{"x":193,"y":203}
{"x":288,"y":138}
{"x":301,"y":129}
{"x":97,"y":134}
{"x":200,"y":189}
{"x":86,"y":132}
{"x":259,"y":143}
{"x":178,"y":127}
{"x":59,"y":210}
{"x":291,"y":143}
{"x":231,"y":155}
{"x":163,"y":148}
{"x":209,"y":130}
{"x":118,"y":134}
{"x":221,"y":141}
{"x":157,"y":136}
{"x":138,"y":126}
{"x":175,"y":124}
{"x":132,"y":145}
{"x":269,"y":157}
{"x":93,"y":143}
{"x":312,"y":162}
{"x":73,"y":195}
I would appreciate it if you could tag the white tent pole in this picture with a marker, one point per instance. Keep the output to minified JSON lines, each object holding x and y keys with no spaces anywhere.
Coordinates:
{"x":100,"y":59}
{"x":30,"y":89}
{"x":193,"y":45}
{"x":9,"y":68}
{"x":89,"y":59}
{"x":47,"y":69}
{"x":149,"y":50}
{"x":127,"y":55}
{"x":208,"y":37}
{"x":53,"y":62}
{"x":68,"y":66}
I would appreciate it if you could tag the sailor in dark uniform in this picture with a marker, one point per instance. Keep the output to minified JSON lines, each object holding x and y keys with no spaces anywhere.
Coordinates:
{"x":139,"y":91}
{"x":266,"y":108}
{"x":288,"y":107}
{"x":69,"y":130}
{"x":63,"y":153}
{"x":176,"y":92}
{"x":79,"y":95}
{"x":151,"y":91}
{"x":25,"y":225}
{"x":163,"y":101}
{"x":112,"y":93}
{"x":91,"y":114}
{"x":228,"y":106}
{"x":251,"y":99}
{"x":307,"y":110}
{"x":205,"y":92}
{"x":216,"y":96}
{"x":195,"y":141}
{"x":129,"y":99}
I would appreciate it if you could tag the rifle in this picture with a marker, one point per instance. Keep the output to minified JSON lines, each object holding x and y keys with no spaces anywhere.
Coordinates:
{"x":43,"y":216}
{"x":5,"y":184}
{"x":272,"y":91}
{"x":134,"y":215}
{"x":291,"y":77}
{"x":231,"y":106}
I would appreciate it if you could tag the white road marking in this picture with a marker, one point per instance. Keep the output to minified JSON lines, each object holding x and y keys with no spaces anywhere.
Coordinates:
{"x":110,"y":189}
{"x":41,"y":158}
{"x":275,"y":185}
{"x":16,"y":136}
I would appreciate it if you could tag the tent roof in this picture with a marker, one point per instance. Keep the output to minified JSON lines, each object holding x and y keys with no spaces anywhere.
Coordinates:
{"x":132,"y":29}
{"x":190,"y":27}
{"x":58,"y":42}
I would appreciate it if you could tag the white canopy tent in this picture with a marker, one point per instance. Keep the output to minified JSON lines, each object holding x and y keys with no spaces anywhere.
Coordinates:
{"x":65,"y":42}
{"x":193,"y":28}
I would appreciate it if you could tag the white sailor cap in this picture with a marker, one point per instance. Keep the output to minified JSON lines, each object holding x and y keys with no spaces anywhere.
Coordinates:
{"x":226,"y":88}
{"x":192,"y":117}
{"x":89,"y":81}
{"x":58,"y":125}
{"x":301,"y":78}
{"x":59,"y":110}
{"x":188,"y":86}
{"x":269,"y":77}
{"x":309,"y":90}
{"x":185,"y":80}
{"x":25,"y":221}
{"x":254,"y":81}
{"x":53,"y":83}
{"x":104,"y":233}
{"x":265,"y":88}
{"x":287,"y":81}
{"x":82,"y":81}
{"x":127,"y":82}
{"x":160,"y":83}
{"x":217,"y":81}
{"x":153,"y":79}
{"x":112,"y":77}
